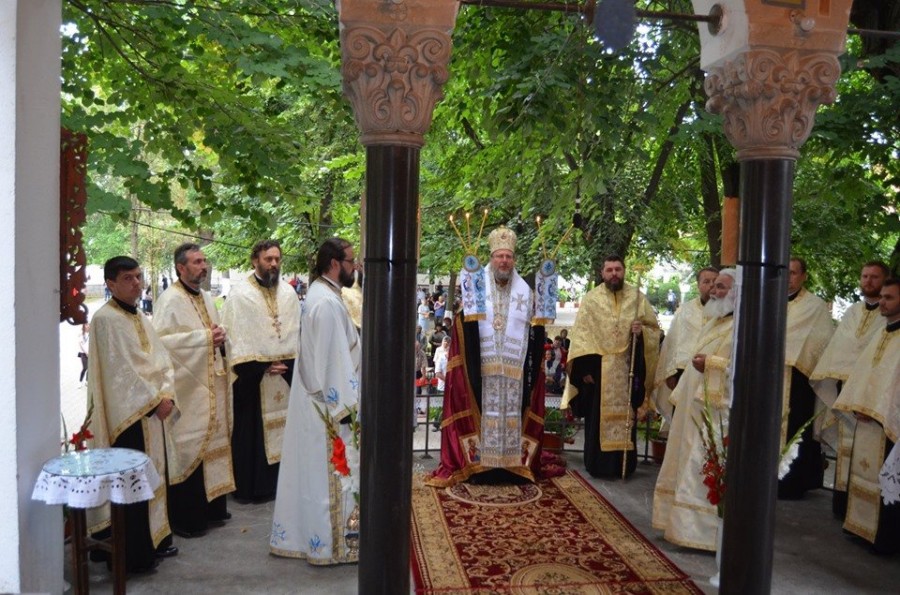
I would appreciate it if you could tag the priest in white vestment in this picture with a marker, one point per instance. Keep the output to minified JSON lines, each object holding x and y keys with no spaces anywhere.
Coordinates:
{"x":200,"y":473}
{"x":809,"y":328}
{"x":860,"y":322}
{"x":680,"y":505}
{"x":872,"y":396}
{"x":678,"y":344}
{"x":130,"y":385}
{"x":316,"y":511}
{"x":261,"y":317}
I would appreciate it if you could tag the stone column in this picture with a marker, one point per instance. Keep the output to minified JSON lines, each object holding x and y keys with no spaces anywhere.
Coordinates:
{"x":770,"y":64}
{"x":394,"y":64}
{"x":31,"y":552}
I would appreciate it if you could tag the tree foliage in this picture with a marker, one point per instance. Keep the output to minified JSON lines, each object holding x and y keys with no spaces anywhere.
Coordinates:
{"x":228,"y":114}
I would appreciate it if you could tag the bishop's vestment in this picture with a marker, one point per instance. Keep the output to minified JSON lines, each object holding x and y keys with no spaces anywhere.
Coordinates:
{"x":494,"y":391}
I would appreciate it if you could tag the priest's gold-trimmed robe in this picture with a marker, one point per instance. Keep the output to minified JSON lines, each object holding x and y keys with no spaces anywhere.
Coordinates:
{"x":680,"y":506}
{"x":601,"y":341}
{"x":183,"y":319}
{"x":262,"y":325}
{"x":316,"y":499}
{"x":809,"y":328}
{"x":130,"y":374}
{"x":676,"y":352}
{"x":860,"y":322}
{"x":873,"y":390}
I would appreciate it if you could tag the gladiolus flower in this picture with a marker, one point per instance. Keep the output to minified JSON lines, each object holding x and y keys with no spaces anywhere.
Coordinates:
{"x":339,"y":456}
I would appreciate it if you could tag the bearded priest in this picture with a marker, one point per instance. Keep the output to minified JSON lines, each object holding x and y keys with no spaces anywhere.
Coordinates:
{"x":200,"y":473}
{"x":598,"y":386}
{"x":872,"y":397}
{"x":262,"y":318}
{"x":494,"y":395}
{"x":680,"y":505}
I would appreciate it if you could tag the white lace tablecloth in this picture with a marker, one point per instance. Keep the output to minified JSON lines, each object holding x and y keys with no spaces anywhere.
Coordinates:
{"x":889,"y":478}
{"x":90,"y":478}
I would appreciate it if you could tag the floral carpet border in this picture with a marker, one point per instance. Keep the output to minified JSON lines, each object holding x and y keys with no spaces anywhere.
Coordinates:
{"x":571,"y":540}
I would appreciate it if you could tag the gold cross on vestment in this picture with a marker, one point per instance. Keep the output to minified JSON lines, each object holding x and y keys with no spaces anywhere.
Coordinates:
{"x":279,"y":397}
{"x":520,"y":301}
{"x":276,"y":324}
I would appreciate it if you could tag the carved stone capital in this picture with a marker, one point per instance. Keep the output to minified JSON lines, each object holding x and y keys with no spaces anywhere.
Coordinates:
{"x":394,"y":69}
{"x":769,"y":99}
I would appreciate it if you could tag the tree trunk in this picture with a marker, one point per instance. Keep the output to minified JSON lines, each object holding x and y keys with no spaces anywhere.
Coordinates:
{"x":712,"y":207}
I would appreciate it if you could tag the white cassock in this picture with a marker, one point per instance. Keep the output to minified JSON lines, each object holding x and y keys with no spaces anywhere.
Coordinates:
{"x":680,"y":505}
{"x":130,"y":374}
{"x":676,"y":352}
{"x":315,"y":501}
{"x":184,"y":322}
{"x":858,"y":326}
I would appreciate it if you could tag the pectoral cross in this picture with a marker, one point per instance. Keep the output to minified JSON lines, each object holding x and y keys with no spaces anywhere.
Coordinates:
{"x":276,"y":324}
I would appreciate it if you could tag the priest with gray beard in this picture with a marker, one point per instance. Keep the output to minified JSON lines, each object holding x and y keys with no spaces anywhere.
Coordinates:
{"x":681,"y":507}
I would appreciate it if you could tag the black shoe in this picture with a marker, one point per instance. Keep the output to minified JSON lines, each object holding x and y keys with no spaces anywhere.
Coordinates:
{"x":220,"y":522}
{"x":188,"y":534}
{"x":167,"y":552}
{"x":148,"y":568}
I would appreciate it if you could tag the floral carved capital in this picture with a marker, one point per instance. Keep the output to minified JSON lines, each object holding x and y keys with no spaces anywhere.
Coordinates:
{"x":769,"y":99}
{"x":393,"y":80}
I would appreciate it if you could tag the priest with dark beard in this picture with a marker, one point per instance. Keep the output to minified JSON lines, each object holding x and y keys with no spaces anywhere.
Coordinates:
{"x":262,"y":319}
{"x":603,"y":386}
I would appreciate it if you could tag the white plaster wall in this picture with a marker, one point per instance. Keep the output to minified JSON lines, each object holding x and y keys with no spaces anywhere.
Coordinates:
{"x":31,"y":552}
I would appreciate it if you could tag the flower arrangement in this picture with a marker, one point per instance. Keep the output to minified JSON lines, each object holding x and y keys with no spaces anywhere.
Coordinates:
{"x":715,"y":447}
{"x":79,"y":439}
{"x":341,"y":455}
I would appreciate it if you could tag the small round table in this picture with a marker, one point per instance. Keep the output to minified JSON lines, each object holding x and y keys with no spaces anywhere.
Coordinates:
{"x":90,"y":478}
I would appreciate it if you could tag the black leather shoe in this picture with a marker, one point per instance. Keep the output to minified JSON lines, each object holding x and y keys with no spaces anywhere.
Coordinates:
{"x":167,"y":552}
{"x":220,"y":522}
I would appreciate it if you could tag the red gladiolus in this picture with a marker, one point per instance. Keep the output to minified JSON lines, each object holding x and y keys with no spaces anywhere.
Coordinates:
{"x":339,"y":456}
{"x":79,"y":438}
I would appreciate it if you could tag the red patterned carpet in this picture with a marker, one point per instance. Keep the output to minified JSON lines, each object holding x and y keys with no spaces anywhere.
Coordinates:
{"x":556,"y":537}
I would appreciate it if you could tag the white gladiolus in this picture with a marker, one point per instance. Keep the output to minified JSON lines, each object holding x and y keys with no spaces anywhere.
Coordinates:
{"x":787,"y":459}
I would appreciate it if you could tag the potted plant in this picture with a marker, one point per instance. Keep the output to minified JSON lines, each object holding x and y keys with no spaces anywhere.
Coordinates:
{"x":562,"y":296}
{"x":435,"y":416}
{"x":651,"y":430}
{"x":557,"y":430}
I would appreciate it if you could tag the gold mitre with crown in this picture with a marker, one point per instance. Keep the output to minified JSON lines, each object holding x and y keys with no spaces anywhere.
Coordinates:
{"x":502,"y":238}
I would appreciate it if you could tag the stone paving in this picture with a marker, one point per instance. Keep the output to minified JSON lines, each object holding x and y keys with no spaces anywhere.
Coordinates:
{"x":811,"y":554}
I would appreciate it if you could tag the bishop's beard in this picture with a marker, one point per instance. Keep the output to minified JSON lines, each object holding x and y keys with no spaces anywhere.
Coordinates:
{"x":720,"y":307}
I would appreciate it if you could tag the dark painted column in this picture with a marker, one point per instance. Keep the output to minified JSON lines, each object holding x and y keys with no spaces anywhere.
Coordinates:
{"x":755,"y":424}
{"x":388,"y":367}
